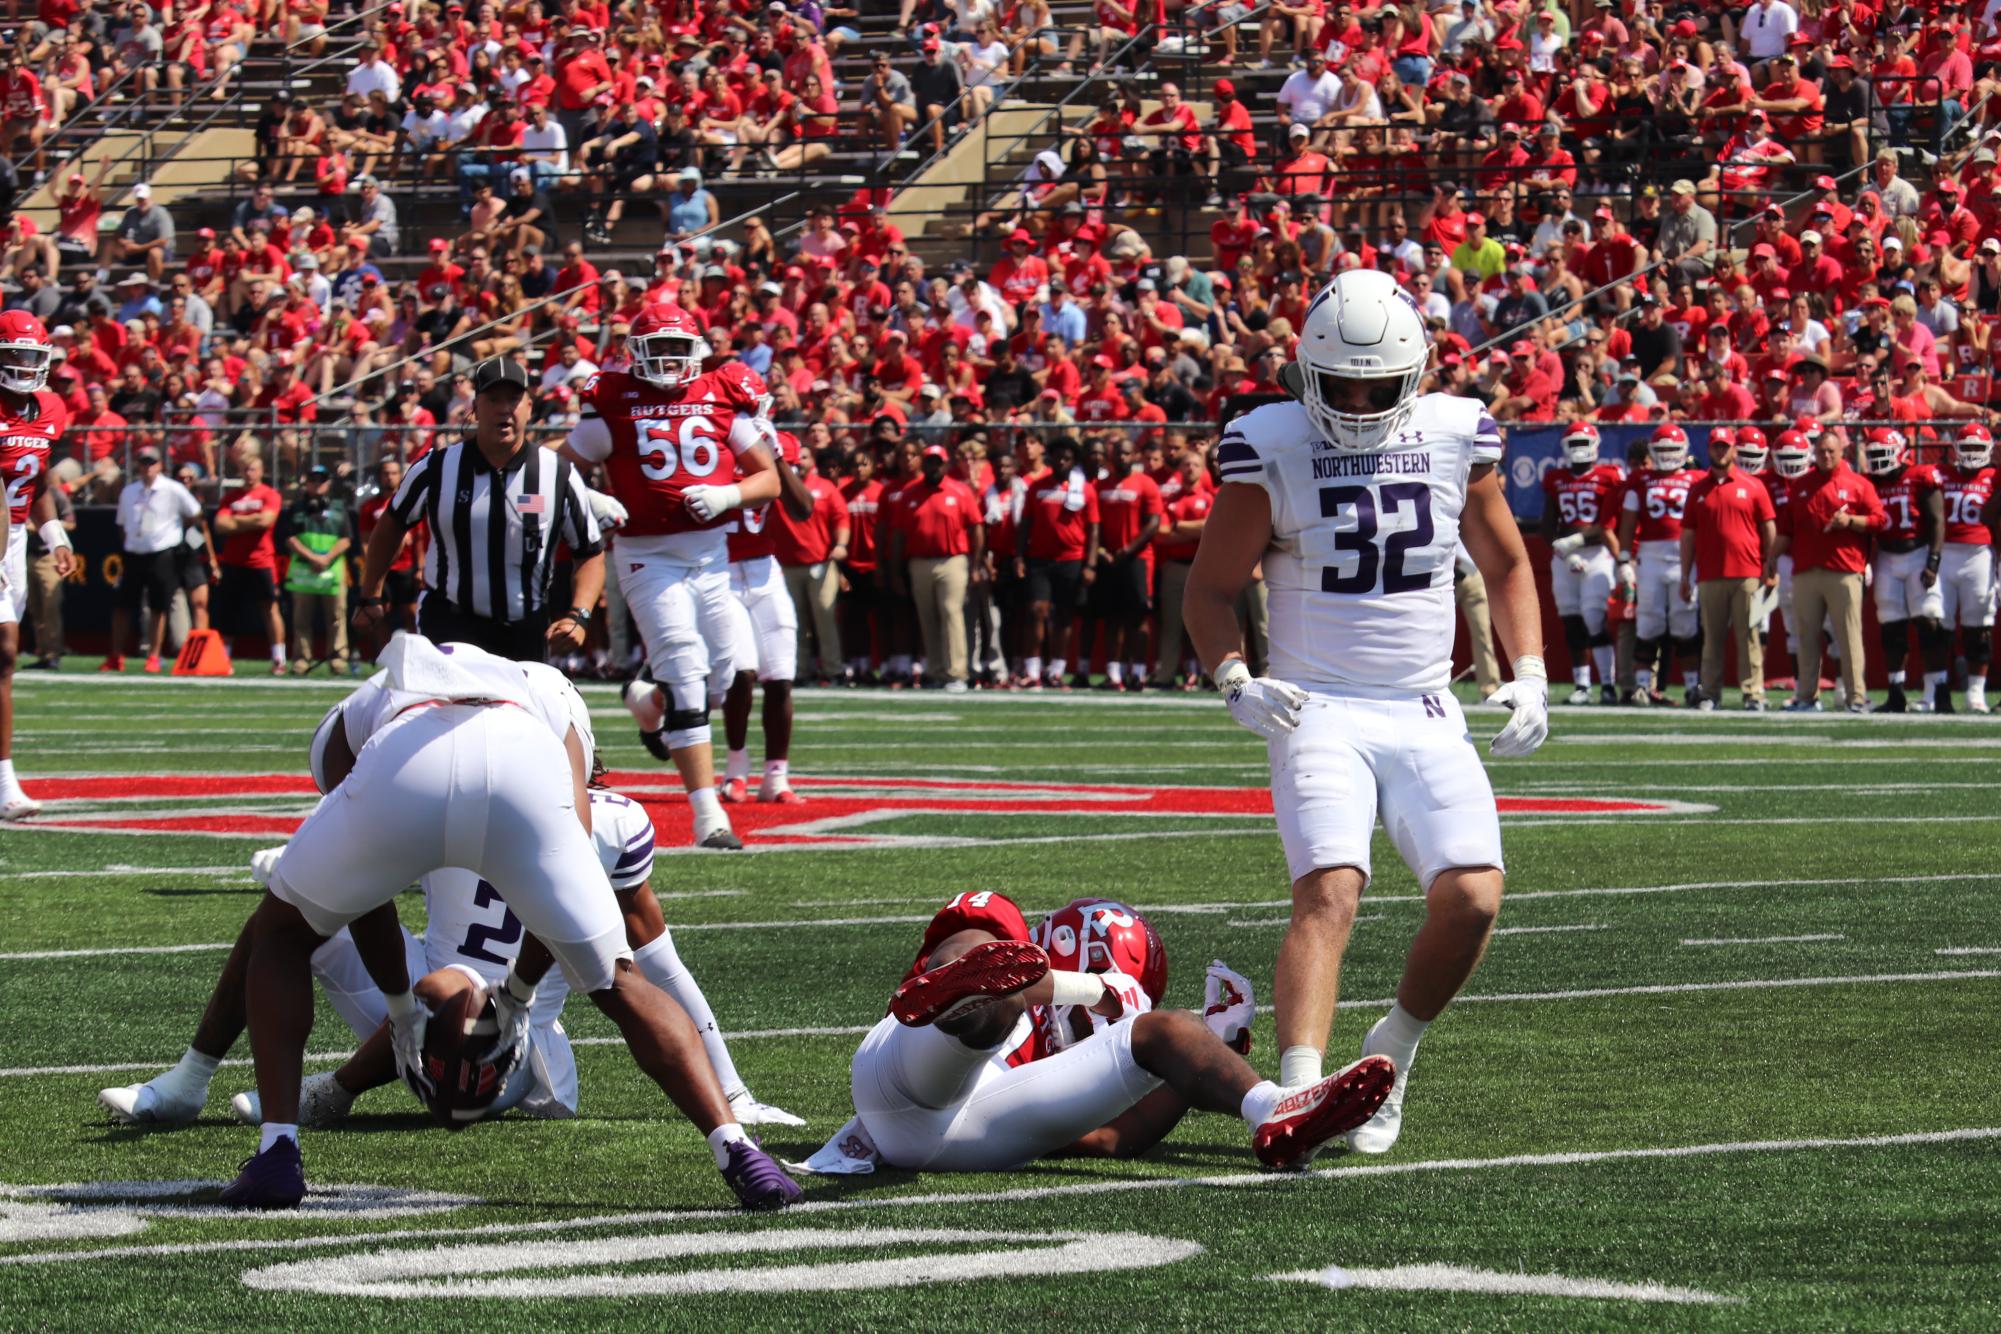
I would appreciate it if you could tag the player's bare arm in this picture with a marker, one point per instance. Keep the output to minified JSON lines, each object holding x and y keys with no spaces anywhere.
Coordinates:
{"x":1234,"y":540}
{"x":377,"y":556}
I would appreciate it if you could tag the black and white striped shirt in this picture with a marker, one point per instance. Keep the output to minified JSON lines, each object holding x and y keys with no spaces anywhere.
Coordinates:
{"x":495,"y":559}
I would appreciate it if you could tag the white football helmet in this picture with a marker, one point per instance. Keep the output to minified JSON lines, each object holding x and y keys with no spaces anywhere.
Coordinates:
{"x":1752,"y":449}
{"x":1791,"y":455}
{"x":1667,"y":451}
{"x":1580,"y":445}
{"x":1884,"y":451}
{"x":1362,"y":355}
{"x":1974,"y":449}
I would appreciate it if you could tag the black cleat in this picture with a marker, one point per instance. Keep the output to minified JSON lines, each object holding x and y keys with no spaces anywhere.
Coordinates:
{"x":1942,"y":698}
{"x":1895,"y":703}
{"x":656,"y":745}
{"x":721,"y":840}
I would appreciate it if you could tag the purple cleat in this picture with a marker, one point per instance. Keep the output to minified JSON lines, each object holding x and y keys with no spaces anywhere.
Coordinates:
{"x":273,"y":1179}
{"x":757,"y":1180}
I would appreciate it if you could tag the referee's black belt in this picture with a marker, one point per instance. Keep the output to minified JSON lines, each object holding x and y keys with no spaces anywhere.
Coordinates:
{"x":442,"y":622}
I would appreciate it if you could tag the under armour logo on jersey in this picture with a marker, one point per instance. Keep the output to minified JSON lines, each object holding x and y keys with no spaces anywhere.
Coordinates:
{"x":1410,"y":437}
{"x":1432,"y":707}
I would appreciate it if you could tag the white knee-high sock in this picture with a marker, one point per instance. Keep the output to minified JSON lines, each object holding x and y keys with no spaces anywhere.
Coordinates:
{"x":660,"y":965}
{"x":1396,"y":1035}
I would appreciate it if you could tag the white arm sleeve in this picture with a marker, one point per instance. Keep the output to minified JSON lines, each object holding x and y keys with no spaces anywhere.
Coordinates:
{"x":590,"y":439}
{"x":747,"y":433}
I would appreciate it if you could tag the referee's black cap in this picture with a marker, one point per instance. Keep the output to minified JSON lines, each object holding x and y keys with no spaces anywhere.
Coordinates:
{"x":499,"y":370}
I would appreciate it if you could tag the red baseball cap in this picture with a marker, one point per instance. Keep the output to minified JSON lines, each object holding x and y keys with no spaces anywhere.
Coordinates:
{"x":937,"y":452}
{"x":1223,"y":88}
{"x":439,"y":245}
{"x":1823,"y":183}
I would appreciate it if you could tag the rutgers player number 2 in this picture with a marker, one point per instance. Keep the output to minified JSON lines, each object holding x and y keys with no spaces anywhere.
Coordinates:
{"x":689,"y":445}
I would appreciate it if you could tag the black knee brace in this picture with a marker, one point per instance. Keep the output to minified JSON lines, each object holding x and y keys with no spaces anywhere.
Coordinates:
{"x":1689,"y":650}
{"x":1575,"y":637}
{"x":1979,"y":643}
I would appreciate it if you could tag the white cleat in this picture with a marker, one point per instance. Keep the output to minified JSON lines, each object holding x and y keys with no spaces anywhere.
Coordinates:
{"x":1976,"y":704}
{"x":1580,"y":696}
{"x":145,"y":1105}
{"x":322,"y":1102}
{"x":1379,"y":1133}
{"x":18,"y":805}
{"x":748,"y":1111}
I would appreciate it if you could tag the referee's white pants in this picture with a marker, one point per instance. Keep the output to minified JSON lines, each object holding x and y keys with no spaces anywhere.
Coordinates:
{"x":483,"y":788}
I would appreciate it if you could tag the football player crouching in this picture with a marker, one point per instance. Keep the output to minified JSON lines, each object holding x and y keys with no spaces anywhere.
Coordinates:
{"x":1004,"y":1045}
{"x":469,"y":933}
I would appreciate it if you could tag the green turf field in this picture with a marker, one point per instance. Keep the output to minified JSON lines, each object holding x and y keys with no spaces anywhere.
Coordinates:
{"x":1742,"y":1051}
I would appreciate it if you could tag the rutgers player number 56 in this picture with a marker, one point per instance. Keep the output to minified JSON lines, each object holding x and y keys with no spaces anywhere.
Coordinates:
{"x":689,"y":448}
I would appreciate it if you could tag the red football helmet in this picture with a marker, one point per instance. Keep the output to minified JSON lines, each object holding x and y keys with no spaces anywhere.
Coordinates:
{"x":1792,"y":455}
{"x":1974,"y":448}
{"x":25,"y":353}
{"x":1810,"y":429}
{"x":667,"y":346}
{"x":1884,"y":450}
{"x":1100,"y":935}
{"x":1580,"y":444}
{"x":1667,"y":449}
{"x":789,"y":450}
{"x":1752,"y":451}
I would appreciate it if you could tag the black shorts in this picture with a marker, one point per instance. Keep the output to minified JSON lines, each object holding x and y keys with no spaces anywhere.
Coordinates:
{"x":242,"y":596}
{"x":1120,"y":591}
{"x":400,"y":588}
{"x":861,"y":594}
{"x":1055,"y":581}
{"x":150,"y":577}
{"x":194,"y":568}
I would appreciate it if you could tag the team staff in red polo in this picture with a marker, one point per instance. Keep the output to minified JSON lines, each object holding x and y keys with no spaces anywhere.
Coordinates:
{"x":862,"y":494}
{"x":1727,"y":536}
{"x":1058,"y":543}
{"x":1190,"y":497}
{"x":1131,"y":512}
{"x":810,"y":552}
{"x":1834,"y":509}
{"x":936,"y":526}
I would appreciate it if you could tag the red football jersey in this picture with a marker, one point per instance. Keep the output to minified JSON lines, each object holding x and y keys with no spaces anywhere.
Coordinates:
{"x":1904,"y":500}
{"x":27,"y":434}
{"x":864,"y":499}
{"x":983,"y":910}
{"x":1966,"y":494}
{"x":750,"y":530}
{"x":1781,"y":499}
{"x":663,"y":441}
{"x":1658,"y":498}
{"x":1583,"y":499}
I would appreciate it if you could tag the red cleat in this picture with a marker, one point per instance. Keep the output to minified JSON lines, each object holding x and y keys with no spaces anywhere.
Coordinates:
{"x":733,"y":792}
{"x":783,"y":796}
{"x":114,"y":663}
{"x":982,"y":975}
{"x":1309,"y":1117}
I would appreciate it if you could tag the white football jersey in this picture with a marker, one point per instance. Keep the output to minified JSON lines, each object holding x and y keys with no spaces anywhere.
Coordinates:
{"x":470,"y":925}
{"x":416,"y":671}
{"x":1359,"y":573}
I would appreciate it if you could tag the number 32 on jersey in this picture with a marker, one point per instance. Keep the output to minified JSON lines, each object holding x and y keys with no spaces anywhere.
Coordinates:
{"x":1379,"y":540}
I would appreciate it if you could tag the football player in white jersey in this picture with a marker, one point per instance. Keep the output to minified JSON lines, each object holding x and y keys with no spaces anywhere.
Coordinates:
{"x":467,"y":928}
{"x":451,"y":756}
{"x":1354,"y":497}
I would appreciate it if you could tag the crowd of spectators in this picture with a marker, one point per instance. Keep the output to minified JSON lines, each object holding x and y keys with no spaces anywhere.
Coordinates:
{"x":1606,"y":209}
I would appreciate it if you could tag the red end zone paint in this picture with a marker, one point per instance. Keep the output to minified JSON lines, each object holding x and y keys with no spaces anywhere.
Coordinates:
{"x":838,"y":811}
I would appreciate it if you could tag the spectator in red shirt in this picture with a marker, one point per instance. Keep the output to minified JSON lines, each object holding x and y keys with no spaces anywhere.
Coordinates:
{"x":246,"y":595}
{"x":1727,"y":538}
{"x":400,"y":590}
{"x":862,"y":494}
{"x":1130,"y":511}
{"x":1057,"y":556}
{"x":1831,"y":512}
{"x":937,"y":527}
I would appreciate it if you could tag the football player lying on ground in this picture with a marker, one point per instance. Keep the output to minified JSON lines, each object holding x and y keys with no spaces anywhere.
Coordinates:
{"x":467,"y":927}
{"x":991,"y":1057}
{"x":451,"y":756}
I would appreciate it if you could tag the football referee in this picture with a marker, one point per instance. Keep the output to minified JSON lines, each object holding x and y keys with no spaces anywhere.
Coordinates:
{"x":498,"y":506}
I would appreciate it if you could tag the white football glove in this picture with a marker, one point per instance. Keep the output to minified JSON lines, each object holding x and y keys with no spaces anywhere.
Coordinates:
{"x":409,"y":1018}
{"x":511,"y":1013}
{"x":1629,"y":578}
{"x":1528,"y":696}
{"x":1575,"y":562}
{"x":607,"y":511}
{"x":1268,"y":706}
{"x":1228,"y":1007}
{"x":706,"y":502}
{"x":1563,"y":546}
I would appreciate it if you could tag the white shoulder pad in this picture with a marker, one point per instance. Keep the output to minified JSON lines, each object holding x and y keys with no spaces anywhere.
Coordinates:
{"x":1252,"y":443}
{"x":624,"y":838}
{"x":1466,"y":419}
{"x":557,"y":699}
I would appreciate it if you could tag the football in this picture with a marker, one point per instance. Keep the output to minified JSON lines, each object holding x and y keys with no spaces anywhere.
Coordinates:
{"x":455,"y":1050}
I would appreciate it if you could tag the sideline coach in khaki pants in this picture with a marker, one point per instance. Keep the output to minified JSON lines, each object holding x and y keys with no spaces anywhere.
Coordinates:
{"x":937,"y":527}
{"x":1727,"y":536}
{"x":1830,"y":513}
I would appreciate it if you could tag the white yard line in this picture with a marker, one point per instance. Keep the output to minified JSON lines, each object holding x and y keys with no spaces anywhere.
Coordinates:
{"x":1545,"y":930}
{"x":1765,"y":940}
{"x":1969,"y":949}
{"x":1458,"y":1278}
{"x":960,"y":1199}
{"x":1589,"y":993}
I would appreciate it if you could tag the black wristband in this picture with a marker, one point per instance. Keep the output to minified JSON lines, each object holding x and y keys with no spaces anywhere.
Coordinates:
{"x":360,"y":603}
{"x":1931,"y":561}
{"x":580,"y":616}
